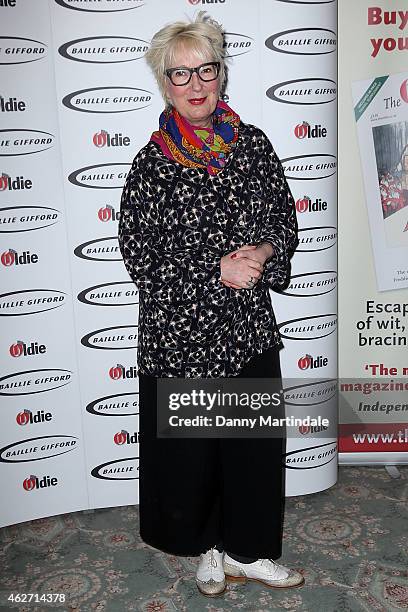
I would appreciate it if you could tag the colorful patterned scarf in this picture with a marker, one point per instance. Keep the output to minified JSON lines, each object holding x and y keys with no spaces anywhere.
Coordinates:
{"x":196,"y":147}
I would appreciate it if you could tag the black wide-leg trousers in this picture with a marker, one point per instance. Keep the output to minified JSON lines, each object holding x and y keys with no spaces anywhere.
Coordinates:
{"x":197,"y":493}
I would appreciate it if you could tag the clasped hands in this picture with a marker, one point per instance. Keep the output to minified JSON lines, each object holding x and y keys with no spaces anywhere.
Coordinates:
{"x":242,"y":269}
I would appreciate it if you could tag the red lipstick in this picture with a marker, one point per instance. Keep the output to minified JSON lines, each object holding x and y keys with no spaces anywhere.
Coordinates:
{"x":196,"y":101}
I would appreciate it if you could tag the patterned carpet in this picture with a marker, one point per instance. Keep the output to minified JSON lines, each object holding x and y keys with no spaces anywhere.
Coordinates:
{"x":350,"y":542}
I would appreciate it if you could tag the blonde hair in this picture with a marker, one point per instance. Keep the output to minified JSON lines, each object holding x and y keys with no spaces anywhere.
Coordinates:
{"x":204,"y":36}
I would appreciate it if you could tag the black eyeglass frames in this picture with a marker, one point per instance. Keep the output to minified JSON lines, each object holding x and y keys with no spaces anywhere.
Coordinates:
{"x":206,"y":72}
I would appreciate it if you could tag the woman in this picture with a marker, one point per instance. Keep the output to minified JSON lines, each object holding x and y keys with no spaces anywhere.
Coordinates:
{"x":207,"y":226}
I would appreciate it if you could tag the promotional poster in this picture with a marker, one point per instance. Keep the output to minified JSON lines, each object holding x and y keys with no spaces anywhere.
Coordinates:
{"x":373,"y":216}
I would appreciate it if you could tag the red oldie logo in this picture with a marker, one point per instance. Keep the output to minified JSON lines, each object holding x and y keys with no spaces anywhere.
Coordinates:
{"x":18,"y":183}
{"x":25,"y":417}
{"x":11,"y":257}
{"x":108,"y":213}
{"x":17,"y":349}
{"x":21,"y":348}
{"x":32,"y":482}
{"x":8,"y":257}
{"x":304,"y":362}
{"x":305,"y":130}
{"x":117,"y":372}
{"x":305,"y":204}
{"x":104,"y":139}
{"x":4,"y":181}
{"x":307,"y":361}
{"x":120,"y":437}
{"x":124,"y":437}
{"x":404,"y":90}
{"x":29,"y":483}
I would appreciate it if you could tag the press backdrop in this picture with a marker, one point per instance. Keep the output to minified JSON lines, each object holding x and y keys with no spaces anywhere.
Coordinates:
{"x":77,"y":104}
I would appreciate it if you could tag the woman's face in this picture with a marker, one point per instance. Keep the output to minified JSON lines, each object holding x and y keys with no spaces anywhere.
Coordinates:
{"x":197,"y":100}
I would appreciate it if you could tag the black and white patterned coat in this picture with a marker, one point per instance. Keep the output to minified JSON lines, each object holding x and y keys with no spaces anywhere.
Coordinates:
{"x":175,"y":225}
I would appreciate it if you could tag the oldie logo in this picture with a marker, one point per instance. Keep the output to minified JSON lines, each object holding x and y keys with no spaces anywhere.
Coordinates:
{"x":101,"y":249}
{"x":308,"y":362}
{"x":306,"y":204}
{"x":303,"y":41}
{"x":100,"y":176}
{"x":119,"y":372}
{"x":310,"y":393}
{"x":13,"y":258}
{"x":309,"y":167}
{"x":12,"y":105}
{"x":104,"y":49}
{"x":30,"y":301}
{"x":237,"y":44}
{"x":112,"y":338}
{"x":311,"y":457}
{"x":104,"y":139}
{"x":26,"y":417}
{"x":120,"y":404}
{"x":24,"y":142}
{"x":22,"y":349}
{"x":34,"y":381}
{"x":35,"y":449}
{"x":309,"y":328}
{"x":305,"y":130}
{"x":27,"y":218}
{"x":304,"y":91}
{"x":312,"y":284}
{"x":33,"y":482}
{"x":16,"y":50}
{"x":311,"y":429}
{"x":121,"y":469}
{"x":121,"y":293}
{"x":109,"y":99}
{"x":18,"y":183}
{"x":195,"y":2}
{"x":316,"y":239}
{"x":108,"y":213}
{"x":124,"y":437}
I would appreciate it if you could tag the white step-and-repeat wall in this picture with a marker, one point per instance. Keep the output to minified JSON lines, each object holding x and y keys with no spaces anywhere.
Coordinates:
{"x":77,"y":103}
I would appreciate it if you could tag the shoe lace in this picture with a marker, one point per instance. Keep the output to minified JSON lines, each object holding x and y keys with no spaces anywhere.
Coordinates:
{"x":213,"y":560}
{"x":270,"y":563}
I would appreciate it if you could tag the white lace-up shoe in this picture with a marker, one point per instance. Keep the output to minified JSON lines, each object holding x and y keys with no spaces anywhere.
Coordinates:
{"x":265,"y":571}
{"x":210,"y":577}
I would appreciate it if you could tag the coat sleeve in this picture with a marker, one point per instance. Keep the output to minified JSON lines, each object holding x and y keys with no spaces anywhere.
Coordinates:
{"x":172,"y":276}
{"x":280,"y":227}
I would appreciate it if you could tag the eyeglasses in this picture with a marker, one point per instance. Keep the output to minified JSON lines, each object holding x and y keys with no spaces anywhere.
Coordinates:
{"x":182,"y":76}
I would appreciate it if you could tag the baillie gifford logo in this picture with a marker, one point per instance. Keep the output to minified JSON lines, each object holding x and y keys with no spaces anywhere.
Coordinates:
{"x":27,"y":417}
{"x":8,"y":183}
{"x":119,"y":372}
{"x":124,"y":437}
{"x":305,"y":130}
{"x":33,"y":482}
{"x":307,"y":362}
{"x":13,"y":258}
{"x":306,"y":204}
{"x":108,"y":213}
{"x":104,"y":139}
{"x":20,"y":348}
